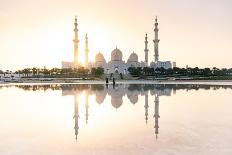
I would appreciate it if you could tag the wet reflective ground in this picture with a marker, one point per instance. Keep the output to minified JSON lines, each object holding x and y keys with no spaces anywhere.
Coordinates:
{"x":126,"y":119}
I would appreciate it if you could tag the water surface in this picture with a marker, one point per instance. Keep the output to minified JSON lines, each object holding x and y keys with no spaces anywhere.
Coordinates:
{"x":66,"y":119}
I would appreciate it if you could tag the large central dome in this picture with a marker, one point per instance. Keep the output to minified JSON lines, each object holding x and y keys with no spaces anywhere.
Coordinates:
{"x":116,"y":55}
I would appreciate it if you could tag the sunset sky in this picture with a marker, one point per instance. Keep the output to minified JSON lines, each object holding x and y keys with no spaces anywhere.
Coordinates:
{"x":40,"y":32}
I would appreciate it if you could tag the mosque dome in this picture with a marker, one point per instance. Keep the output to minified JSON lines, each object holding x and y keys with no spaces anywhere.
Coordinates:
{"x":99,"y":58}
{"x":116,"y":102}
{"x":133,"y":97}
{"x":133,"y":57}
{"x":116,"y":55}
{"x":100,"y":96}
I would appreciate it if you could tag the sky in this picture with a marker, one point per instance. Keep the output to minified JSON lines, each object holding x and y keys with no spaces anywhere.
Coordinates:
{"x":39,"y":33}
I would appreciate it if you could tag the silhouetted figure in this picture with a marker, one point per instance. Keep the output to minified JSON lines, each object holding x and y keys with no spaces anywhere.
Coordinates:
{"x":121,"y":76}
{"x":113,"y":81}
{"x":107,"y":80}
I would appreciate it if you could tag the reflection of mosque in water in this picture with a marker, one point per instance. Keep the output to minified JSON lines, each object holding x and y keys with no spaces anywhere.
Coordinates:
{"x":131,"y":91}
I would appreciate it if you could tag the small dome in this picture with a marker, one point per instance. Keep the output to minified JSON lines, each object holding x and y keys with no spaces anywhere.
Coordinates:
{"x":133,"y":98}
{"x":133,"y":57}
{"x":100,"y":96}
{"x":116,"y":55}
{"x":99,"y":58}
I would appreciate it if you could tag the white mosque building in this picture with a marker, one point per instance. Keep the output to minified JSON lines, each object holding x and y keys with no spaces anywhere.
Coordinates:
{"x":117,"y":65}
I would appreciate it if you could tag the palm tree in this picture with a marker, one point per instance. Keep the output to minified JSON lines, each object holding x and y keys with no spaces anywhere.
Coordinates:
{"x":215,"y":70}
{"x":34,"y":71}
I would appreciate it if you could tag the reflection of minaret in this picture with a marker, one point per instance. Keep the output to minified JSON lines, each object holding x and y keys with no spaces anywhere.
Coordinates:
{"x":156,"y":41}
{"x":75,"y":41}
{"x":76,"y":115}
{"x":86,"y":51}
{"x":146,"y":50}
{"x":156,"y":115}
{"x":146,"y":107}
{"x":86,"y":107}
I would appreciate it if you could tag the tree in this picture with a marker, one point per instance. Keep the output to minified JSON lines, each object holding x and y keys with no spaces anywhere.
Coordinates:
{"x":26,"y":72}
{"x":97,"y":71}
{"x":135,"y":71}
{"x":162,"y":70}
{"x":215,"y":70}
{"x":82,"y":71}
{"x":206,"y":72}
{"x":66,"y":71}
{"x":169,"y":71}
{"x":46,"y":71}
{"x":34,"y":71}
{"x":148,"y":71}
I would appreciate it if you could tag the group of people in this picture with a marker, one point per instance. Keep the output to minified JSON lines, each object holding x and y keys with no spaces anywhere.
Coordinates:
{"x":107,"y":81}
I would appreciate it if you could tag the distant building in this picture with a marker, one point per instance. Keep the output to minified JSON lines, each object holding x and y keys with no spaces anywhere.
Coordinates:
{"x":174,"y":64}
{"x":66,"y":64}
{"x":162,"y":64}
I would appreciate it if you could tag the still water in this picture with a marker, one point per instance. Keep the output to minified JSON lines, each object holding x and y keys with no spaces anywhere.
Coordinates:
{"x":134,"y":119}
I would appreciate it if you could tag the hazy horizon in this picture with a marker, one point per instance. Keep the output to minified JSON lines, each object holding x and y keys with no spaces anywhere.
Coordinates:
{"x":40,"y":33}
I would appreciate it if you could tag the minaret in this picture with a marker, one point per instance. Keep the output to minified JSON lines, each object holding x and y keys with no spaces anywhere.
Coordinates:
{"x":146,"y":107}
{"x":156,"y":115}
{"x":75,"y":41}
{"x":76,"y":115}
{"x":146,"y":50}
{"x":156,"y":41}
{"x":86,"y":51}
{"x":86,"y":107}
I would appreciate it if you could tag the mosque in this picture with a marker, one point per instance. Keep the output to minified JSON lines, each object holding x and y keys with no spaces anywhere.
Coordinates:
{"x":117,"y":65}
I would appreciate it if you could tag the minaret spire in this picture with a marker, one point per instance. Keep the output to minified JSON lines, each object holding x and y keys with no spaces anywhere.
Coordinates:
{"x":156,"y":41}
{"x":86,"y":51}
{"x":75,"y":41}
{"x":146,"y":50}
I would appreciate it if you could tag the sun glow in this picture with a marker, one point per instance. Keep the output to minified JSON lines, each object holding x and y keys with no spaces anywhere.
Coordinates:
{"x":98,"y":38}
{"x":34,"y":38}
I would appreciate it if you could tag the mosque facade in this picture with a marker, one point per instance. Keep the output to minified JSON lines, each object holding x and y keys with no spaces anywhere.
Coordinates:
{"x":117,"y":65}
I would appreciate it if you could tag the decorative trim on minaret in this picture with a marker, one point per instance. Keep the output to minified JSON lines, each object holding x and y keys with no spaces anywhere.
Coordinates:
{"x":146,"y":50}
{"x":86,"y":51}
{"x":156,"y":115}
{"x":75,"y":41}
{"x":156,"y":41}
